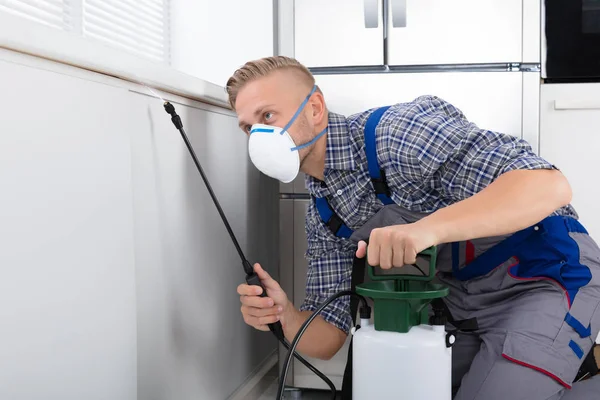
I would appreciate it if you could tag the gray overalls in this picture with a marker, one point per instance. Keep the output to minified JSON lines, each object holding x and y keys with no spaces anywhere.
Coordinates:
{"x":534,"y":296}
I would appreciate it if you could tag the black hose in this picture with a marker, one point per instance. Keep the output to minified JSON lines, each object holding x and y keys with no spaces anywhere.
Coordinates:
{"x":364,"y":311}
{"x":313,"y":369}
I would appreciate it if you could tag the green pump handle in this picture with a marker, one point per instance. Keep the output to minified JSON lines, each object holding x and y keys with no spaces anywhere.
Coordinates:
{"x":431,"y":252}
{"x":400,"y":300}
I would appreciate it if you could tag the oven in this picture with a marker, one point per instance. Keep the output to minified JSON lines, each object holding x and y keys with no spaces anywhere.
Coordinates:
{"x":571,"y":40}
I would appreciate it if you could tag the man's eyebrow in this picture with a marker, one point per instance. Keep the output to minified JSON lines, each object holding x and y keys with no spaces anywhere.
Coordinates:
{"x":260,"y":109}
{"x":257,"y":112}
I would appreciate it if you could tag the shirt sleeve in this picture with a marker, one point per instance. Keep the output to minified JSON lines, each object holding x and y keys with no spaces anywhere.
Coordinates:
{"x":329,"y":271}
{"x":441,"y":151}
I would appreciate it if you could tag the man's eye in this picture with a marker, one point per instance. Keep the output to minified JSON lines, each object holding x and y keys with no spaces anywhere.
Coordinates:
{"x":268,"y":116}
{"x":247,"y":128}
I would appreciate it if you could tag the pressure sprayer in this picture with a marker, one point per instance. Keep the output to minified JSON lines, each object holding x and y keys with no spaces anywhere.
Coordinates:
{"x":396,"y":356}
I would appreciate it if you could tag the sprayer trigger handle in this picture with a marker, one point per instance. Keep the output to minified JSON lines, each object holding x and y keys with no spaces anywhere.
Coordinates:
{"x":276,"y":328}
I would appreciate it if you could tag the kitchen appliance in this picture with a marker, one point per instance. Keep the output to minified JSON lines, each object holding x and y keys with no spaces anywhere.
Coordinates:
{"x":483,"y":56}
{"x":571,"y":41}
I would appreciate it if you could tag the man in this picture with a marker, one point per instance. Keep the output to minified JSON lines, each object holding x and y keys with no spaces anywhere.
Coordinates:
{"x":516,"y":259}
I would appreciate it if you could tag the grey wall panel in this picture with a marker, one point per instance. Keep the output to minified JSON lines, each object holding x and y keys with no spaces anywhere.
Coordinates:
{"x":118,"y":278}
{"x":67,"y":267}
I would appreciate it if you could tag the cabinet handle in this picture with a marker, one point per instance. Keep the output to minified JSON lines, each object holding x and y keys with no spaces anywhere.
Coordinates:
{"x":371,"y":10}
{"x":398,"y":13}
{"x":577,"y":105}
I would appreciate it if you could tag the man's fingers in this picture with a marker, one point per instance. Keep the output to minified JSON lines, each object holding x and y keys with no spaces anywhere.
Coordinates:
{"x":271,"y":319}
{"x":260,"y":322}
{"x":255,"y":301}
{"x":373,"y":249}
{"x":399,"y":256}
{"x":264,"y":328}
{"x":265,"y":278}
{"x":410,"y":255}
{"x":386,"y":253}
{"x":247,"y":290}
{"x":260,"y":312}
{"x":362,"y":249}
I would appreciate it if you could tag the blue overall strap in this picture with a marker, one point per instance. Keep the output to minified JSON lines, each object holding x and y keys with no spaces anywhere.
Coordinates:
{"x":331,"y":219}
{"x":492,"y":257}
{"x":545,"y":250}
{"x":377,"y":175}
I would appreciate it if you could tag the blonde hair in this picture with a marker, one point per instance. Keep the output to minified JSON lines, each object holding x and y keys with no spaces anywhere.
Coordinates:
{"x":260,"y":68}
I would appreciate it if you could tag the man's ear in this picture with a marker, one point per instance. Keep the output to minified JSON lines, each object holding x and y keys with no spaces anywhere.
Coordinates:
{"x":317,"y":103}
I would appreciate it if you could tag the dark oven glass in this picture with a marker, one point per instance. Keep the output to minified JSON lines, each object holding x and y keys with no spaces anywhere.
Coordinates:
{"x":572,"y":29}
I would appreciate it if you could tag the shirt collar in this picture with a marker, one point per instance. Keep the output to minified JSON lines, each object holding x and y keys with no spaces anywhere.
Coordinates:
{"x":338,"y":154}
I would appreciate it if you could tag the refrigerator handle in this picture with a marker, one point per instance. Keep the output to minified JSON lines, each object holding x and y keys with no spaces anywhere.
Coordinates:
{"x":398,"y":10}
{"x":576,"y":105}
{"x":371,"y":11}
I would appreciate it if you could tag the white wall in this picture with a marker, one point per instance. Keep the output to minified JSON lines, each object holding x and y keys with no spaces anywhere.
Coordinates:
{"x":117,"y":279}
{"x":211,"y":39}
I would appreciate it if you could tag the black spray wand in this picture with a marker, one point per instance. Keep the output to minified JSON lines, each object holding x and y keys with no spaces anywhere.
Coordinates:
{"x":179,"y":125}
{"x":251,"y":277}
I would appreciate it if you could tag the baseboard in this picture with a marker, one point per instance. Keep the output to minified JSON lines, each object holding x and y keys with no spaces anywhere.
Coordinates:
{"x":260,"y":379}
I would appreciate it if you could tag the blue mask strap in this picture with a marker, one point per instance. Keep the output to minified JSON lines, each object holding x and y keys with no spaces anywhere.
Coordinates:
{"x":309,"y":143}
{"x":285,"y":128}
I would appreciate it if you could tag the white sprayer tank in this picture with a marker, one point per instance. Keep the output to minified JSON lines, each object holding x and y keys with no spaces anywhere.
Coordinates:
{"x":405,"y":354}
{"x":415,"y":365}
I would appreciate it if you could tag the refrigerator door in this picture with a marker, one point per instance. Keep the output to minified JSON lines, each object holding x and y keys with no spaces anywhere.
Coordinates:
{"x":422,"y":32}
{"x":297,"y":186}
{"x":336,"y":33}
{"x":492,"y":100}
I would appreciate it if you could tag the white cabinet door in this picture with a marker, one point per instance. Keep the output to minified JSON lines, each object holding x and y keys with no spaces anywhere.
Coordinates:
{"x":336,"y":33}
{"x":454,"y":32}
{"x":492,"y":100}
{"x":570,"y":139}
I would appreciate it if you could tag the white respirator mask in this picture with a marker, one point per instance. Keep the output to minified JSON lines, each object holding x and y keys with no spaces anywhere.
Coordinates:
{"x":273,"y":151}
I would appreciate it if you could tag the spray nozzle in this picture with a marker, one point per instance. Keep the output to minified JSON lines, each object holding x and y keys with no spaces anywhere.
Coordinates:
{"x":176,"y":119}
{"x":170,"y":109}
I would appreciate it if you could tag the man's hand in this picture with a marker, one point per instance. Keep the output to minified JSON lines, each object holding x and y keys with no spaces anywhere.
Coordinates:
{"x":259,"y":311}
{"x":397,"y":245}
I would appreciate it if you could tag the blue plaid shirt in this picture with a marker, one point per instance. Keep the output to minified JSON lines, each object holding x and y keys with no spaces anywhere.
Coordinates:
{"x":432,"y":157}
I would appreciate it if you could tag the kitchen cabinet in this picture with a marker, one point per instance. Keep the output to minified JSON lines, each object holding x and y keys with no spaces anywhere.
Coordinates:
{"x":454,"y":32}
{"x":570,"y":139}
{"x":335,"y":33}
